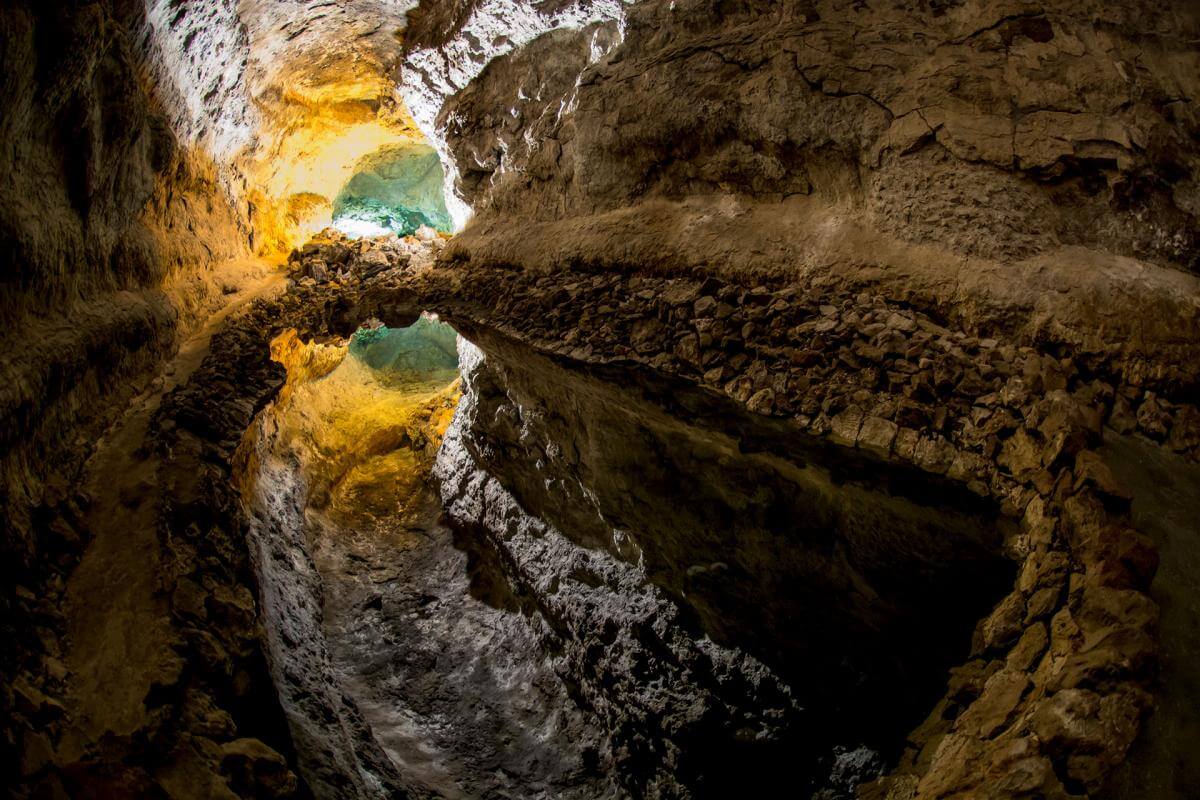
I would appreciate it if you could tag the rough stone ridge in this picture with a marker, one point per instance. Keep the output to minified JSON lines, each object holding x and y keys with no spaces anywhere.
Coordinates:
{"x":946,"y":243}
{"x":1074,"y":640}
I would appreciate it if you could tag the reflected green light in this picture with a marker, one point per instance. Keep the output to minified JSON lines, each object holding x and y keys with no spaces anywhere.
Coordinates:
{"x":426,"y":348}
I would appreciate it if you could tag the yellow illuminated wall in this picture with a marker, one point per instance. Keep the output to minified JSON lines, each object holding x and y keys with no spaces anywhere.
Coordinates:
{"x":319,"y":120}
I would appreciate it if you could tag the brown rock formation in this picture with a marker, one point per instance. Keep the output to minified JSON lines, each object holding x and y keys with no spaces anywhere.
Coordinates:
{"x":811,"y":350}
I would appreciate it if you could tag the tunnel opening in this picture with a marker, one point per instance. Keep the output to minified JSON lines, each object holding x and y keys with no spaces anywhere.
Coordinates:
{"x":397,"y":189}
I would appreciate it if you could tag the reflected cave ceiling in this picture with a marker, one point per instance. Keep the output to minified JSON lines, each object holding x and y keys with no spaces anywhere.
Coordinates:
{"x":291,"y":97}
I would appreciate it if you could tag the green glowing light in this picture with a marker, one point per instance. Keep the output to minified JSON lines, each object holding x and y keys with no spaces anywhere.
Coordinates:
{"x":398,"y":189}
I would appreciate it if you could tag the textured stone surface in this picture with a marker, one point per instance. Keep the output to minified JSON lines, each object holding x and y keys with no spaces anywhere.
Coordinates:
{"x":954,"y":105}
{"x":943,"y":243}
{"x":109,"y":231}
{"x":590,"y":318}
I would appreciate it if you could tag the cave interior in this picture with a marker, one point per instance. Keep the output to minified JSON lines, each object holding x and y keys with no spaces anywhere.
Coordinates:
{"x":600,"y":399}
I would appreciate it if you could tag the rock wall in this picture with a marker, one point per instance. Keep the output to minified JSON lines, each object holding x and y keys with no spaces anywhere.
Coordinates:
{"x":107,"y":226}
{"x":111,"y":227}
{"x":998,"y":131}
{"x":448,"y":45}
{"x":1017,"y":170}
{"x":137,"y":661}
{"x":827,"y":144}
{"x":1051,"y":690}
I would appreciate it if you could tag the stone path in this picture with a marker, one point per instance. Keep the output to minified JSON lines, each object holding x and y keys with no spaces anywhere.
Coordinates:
{"x":120,"y":637}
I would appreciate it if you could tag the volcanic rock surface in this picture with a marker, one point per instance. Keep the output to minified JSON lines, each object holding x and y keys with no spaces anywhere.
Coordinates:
{"x":827,"y":399}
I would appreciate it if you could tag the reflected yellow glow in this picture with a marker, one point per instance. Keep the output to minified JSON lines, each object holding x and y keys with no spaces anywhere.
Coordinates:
{"x":320,"y":159}
{"x":298,"y":186}
{"x":304,"y":361}
{"x":364,"y":446}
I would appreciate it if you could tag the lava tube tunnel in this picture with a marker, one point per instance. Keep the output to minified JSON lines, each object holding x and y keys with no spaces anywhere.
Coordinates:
{"x":599,"y":399}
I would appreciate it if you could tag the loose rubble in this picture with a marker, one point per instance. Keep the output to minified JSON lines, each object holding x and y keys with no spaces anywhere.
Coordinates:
{"x":332,"y":257}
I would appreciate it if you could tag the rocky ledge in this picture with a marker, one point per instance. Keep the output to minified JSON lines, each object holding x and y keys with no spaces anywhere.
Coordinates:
{"x":1043,"y":698}
{"x":1050,"y":693}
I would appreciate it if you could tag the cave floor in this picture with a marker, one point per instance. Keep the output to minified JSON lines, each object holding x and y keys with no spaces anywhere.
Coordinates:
{"x":440,"y":661}
{"x":119,"y":632}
